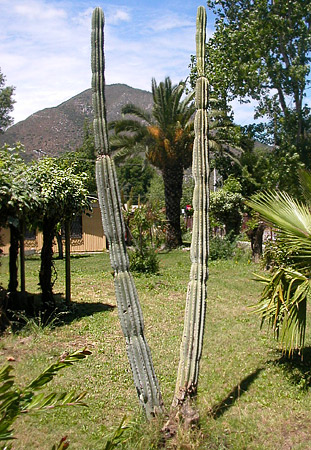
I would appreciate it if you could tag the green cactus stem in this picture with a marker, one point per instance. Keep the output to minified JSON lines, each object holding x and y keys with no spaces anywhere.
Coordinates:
{"x":129,"y":310}
{"x":192,"y":340}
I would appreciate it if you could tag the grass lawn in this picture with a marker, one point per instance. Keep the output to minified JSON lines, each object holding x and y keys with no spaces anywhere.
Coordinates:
{"x":250,"y":397}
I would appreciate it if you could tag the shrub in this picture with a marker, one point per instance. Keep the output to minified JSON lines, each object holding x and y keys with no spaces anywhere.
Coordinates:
{"x":221,"y":248}
{"x":146,"y":262}
{"x":145,"y":228}
{"x":277,"y":254}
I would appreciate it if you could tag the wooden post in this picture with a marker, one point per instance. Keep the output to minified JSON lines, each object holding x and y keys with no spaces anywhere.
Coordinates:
{"x":67,"y":256}
{"x":22,"y":257}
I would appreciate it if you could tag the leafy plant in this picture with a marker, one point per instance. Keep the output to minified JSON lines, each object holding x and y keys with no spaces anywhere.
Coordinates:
{"x":284,"y":298}
{"x":15,"y":401}
{"x":146,"y":232}
{"x":117,"y":436}
{"x":283,"y":304}
{"x":221,"y":248}
{"x":146,"y":262}
{"x":226,"y":207}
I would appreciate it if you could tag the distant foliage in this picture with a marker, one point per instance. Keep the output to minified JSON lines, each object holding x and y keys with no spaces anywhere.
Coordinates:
{"x":155,"y":193}
{"x":6,"y":104}
{"x":134,"y":177}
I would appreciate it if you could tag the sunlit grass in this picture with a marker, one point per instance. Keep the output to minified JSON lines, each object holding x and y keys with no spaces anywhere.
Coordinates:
{"x":249,"y":397}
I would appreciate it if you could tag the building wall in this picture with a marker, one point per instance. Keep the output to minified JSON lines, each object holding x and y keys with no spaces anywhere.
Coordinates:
{"x":92,"y":240}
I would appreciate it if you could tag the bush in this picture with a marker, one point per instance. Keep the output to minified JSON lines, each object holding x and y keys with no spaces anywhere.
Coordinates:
{"x":277,"y":254}
{"x":146,"y":262}
{"x":221,"y":248}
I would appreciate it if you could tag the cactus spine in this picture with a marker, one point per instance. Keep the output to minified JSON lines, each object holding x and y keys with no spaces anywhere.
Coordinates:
{"x":129,"y":310}
{"x":192,"y":340}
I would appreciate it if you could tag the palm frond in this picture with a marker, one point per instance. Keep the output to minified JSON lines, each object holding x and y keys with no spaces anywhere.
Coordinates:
{"x":127,"y":125}
{"x":291,"y":218}
{"x":283,"y":304}
{"x":305,"y":184}
{"x":137,"y":111}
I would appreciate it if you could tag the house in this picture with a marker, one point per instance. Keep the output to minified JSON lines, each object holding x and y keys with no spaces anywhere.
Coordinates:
{"x":86,"y":235}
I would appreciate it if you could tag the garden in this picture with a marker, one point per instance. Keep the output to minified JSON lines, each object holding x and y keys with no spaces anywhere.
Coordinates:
{"x":73,"y":344}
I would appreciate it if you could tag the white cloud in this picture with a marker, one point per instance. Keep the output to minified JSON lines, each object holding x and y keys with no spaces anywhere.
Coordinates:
{"x":119,"y":15}
{"x":169,"y":22}
{"x":35,"y":10}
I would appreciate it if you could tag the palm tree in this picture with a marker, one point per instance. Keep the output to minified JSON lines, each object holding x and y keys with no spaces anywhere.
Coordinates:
{"x":283,"y":301}
{"x":167,"y":136}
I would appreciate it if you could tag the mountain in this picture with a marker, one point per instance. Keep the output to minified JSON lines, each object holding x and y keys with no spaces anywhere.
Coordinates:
{"x":53,"y":131}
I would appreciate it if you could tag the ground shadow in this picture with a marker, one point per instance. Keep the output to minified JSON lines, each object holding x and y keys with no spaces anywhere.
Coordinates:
{"x":78,"y":310}
{"x":18,"y":310}
{"x":297,"y":367}
{"x":80,"y":255}
{"x":220,"y":408}
{"x":37,"y":256}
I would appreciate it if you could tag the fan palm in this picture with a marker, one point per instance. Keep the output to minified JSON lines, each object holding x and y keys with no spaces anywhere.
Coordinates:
{"x":284,"y":299}
{"x":167,"y":138}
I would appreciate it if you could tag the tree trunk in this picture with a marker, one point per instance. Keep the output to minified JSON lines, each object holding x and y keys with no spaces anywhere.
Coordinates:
{"x":67,"y":245}
{"x":173,"y":179}
{"x":256,"y":235}
{"x":60,"y":245}
{"x":22,"y":258}
{"x":45,"y":275}
{"x":13,"y":257}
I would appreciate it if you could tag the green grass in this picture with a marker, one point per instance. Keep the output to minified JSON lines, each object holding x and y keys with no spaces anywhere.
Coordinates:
{"x":249,"y":396}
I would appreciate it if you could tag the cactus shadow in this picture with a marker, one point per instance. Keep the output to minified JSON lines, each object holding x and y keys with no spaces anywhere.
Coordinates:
{"x":220,"y":408}
{"x":78,"y":310}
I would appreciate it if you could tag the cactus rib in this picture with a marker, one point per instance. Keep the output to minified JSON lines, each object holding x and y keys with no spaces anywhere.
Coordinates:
{"x":129,"y":309}
{"x":192,"y":339}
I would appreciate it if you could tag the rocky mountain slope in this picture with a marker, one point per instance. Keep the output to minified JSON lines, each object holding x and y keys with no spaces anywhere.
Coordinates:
{"x":53,"y":131}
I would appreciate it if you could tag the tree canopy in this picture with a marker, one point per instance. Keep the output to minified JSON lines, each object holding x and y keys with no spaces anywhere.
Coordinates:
{"x":6,"y":104}
{"x":261,"y":50}
{"x":62,"y":195}
{"x":17,"y":191}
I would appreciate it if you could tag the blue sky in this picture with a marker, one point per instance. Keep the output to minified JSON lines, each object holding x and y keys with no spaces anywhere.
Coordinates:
{"x":45,"y":47}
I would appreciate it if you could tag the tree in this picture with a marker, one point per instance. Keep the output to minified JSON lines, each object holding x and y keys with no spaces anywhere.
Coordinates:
{"x":167,"y":134}
{"x":261,"y":50}
{"x":18,"y":197}
{"x":6,"y":104}
{"x":62,"y":195}
{"x":258,"y":168}
{"x":283,"y":302}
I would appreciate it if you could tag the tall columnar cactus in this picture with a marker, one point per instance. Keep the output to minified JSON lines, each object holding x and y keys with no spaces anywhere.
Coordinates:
{"x":129,"y":310}
{"x":191,"y":346}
